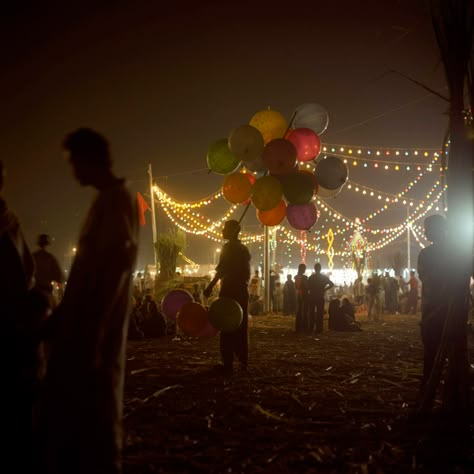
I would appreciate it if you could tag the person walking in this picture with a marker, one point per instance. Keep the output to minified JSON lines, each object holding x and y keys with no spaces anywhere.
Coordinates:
{"x":233,"y":270}
{"x":81,"y":417}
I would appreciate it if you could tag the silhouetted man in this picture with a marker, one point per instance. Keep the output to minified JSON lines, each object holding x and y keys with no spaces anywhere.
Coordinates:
{"x":432,"y":269}
{"x":84,"y":381}
{"x":301,"y":286}
{"x":318,"y":284}
{"x":47,"y":269}
{"x":234,"y":272}
{"x":412,"y":301}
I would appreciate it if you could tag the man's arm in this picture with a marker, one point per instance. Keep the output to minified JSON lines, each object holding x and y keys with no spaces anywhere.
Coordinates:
{"x":208,"y":290}
{"x":219,"y":274}
{"x":329,"y":285}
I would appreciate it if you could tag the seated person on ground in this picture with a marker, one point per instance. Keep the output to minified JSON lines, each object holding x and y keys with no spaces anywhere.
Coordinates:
{"x":348,"y":308}
{"x":339,"y":320}
{"x":154,"y":322}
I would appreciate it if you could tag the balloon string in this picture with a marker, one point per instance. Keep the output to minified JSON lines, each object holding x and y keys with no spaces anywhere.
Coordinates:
{"x":290,"y":123}
{"x":245,"y":212}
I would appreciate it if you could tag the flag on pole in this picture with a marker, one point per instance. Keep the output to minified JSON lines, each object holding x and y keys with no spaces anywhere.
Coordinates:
{"x":142,"y":207}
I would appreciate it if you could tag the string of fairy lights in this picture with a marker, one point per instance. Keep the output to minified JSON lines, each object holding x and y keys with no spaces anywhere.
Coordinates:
{"x":188,"y":217}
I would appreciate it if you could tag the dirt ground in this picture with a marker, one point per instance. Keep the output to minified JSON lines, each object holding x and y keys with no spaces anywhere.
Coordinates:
{"x":332,"y":403}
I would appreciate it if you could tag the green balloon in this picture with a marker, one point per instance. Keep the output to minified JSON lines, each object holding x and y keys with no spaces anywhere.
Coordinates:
{"x":220,"y":159}
{"x":225,"y":314}
{"x":266,"y":193}
{"x":298,"y":188}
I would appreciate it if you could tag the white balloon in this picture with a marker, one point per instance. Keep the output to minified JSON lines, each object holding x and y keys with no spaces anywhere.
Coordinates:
{"x":311,"y":115}
{"x":328,"y":193}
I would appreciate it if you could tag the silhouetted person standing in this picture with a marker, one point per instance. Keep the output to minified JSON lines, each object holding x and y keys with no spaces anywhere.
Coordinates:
{"x":84,"y":381}
{"x":301,"y":286}
{"x":412,"y":301}
{"x":318,"y":284}
{"x":47,"y":269}
{"x":432,"y":269}
{"x":233,"y":270}
{"x":289,"y":296}
{"x":16,"y":348}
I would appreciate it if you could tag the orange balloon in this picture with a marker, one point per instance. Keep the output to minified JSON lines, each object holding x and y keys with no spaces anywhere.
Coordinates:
{"x":274,"y":216}
{"x":192,"y":318}
{"x":236,"y":188}
{"x":252,"y":180}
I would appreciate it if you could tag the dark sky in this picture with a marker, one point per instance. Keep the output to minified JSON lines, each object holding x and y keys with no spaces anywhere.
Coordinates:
{"x":163,"y":80}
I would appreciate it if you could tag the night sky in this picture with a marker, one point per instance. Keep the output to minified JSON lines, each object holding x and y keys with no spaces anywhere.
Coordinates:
{"x":163,"y":80}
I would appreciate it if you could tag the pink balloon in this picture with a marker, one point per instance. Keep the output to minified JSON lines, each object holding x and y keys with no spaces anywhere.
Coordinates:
{"x":302,"y":216}
{"x":173,"y":301}
{"x":306,"y":142}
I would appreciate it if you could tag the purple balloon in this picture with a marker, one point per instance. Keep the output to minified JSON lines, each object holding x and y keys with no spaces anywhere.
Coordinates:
{"x":302,"y":216}
{"x":174,"y":300}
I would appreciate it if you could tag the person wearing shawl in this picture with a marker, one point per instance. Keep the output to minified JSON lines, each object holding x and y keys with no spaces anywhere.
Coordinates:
{"x":82,"y":410}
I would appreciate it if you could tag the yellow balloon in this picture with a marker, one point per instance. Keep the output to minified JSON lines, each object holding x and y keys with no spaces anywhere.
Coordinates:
{"x":270,"y":123}
{"x":236,"y":188}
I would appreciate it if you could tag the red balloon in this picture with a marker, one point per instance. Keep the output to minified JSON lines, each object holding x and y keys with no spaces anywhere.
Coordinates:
{"x":192,"y":318}
{"x":279,"y":156}
{"x":302,"y":216}
{"x":274,"y":216}
{"x":208,"y":331}
{"x":306,"y":142}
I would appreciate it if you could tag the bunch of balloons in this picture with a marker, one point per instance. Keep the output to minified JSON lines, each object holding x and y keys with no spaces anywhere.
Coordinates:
{"x":194,"y":319}
{"x":261,"y":159}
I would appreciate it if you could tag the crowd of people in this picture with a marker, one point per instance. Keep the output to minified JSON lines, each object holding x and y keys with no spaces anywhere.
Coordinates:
{"x":380,"y":294}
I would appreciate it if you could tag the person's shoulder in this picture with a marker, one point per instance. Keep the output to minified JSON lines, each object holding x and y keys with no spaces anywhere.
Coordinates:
{"x":117,"y":190}
{"x":244,"y":249}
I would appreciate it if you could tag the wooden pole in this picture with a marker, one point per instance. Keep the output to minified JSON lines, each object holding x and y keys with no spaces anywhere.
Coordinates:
{"x":153,"y":215}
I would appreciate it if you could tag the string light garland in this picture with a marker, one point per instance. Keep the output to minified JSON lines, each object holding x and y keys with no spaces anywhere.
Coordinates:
{"x":185,"y":215}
